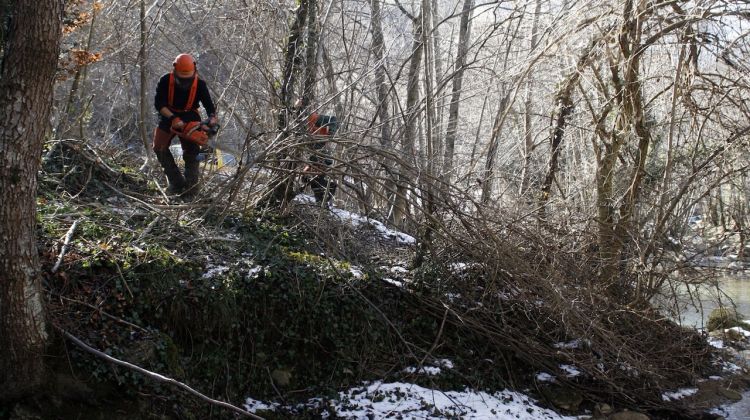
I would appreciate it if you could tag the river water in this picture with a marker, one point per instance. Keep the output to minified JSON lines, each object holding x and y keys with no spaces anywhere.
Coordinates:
{"x":734,"y":290}
{"x":696,"y":306}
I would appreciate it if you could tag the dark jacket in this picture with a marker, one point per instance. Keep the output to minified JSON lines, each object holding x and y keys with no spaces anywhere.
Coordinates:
{"x":181,"y":93}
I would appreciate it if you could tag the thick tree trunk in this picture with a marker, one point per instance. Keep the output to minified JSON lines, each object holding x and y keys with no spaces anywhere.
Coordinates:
{"x":614,"y":237}
{"x":26,"y":82}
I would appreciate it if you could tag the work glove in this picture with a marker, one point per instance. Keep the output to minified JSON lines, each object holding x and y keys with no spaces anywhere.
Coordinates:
{"x":178,"y":124}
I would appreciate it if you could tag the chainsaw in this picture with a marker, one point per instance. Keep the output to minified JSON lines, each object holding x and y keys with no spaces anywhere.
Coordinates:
{"x":197,"y":132}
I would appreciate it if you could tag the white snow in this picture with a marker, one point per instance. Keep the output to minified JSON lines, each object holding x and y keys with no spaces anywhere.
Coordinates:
{"x":356,"y":272}
{"x":716,"y":342}
{"x":393,"y":282}
{"x":255,"y":270}
{"x":252,"y":405}
{"x":356,"y":220}
{"x":399,"y":270}
{"x":545,"y":377}
{"x":407,"y":401}
{"x":377,"y":400}
{"x":213,"y":271}
{"x":571,"y":371}
{"x":575,"y":344}
{"x":424,"y":370}
{"x":679,"y":394}
{"x":304,"y":199}
{"x":431,"y":370}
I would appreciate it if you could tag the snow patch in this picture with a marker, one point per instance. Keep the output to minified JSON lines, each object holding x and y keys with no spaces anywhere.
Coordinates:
{"x":679,"y":394}
{"x":357,"y":220}
{"x":356,"y":272}
{"x":408,"y":401}
{"x":570,"y":370}
{"x":570,"y":345}
{"x":213,"y":271}
{"x":424,"y":370}
{"x":716,"y":342}
{"x":436,"y":368}
{"x":393,"y":282}
{"x":545,"y":377}
{"x":252,"y":406}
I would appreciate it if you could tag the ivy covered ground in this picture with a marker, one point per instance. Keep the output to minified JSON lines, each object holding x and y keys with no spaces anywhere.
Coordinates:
{"x":310,"y":313}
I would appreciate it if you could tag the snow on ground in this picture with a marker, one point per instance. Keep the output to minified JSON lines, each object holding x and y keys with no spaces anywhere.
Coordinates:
{"x":437,"y":369}
{"x":679,"y":394}
{"x":356,"y":272}
{"x":357,"y":220}
{"x":716,"y":342}
{"x":410,"y":402}
{"x":571,"y":371}
{"x":570,"y":345}
{"x":545,"y":377}
{"x":213,"y":271}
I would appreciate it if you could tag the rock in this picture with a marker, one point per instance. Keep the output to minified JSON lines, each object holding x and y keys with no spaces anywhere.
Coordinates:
{"x":721,"y":318}
{"x":565,"y":398}
{"x":281,"y":377}
{"x":734,"y":335}
{"x":602,"y":410}
{"x":730,"y":394}
{"x":629,"y":415}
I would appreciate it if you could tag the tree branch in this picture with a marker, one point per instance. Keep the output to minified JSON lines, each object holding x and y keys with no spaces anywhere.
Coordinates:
{"x":156,"y":376}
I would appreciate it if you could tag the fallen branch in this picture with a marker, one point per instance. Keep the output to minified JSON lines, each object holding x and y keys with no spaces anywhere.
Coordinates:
{"x":156,"y":376}
{"x":66,"y":244}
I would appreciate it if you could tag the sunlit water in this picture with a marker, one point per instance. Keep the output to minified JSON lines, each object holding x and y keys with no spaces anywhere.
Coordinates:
{"x":734,"y":291}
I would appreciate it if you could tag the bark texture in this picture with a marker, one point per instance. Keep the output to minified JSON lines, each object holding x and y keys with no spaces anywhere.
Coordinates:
{"x":26,"y":82}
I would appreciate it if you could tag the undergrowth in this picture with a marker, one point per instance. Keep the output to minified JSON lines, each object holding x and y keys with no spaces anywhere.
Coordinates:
{"x":245,"y":302}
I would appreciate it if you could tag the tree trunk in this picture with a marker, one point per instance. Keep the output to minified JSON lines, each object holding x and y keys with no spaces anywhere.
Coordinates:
{"x":311,"y":54}
{"x":488,"y":176}
{"x":528,"y":137}
{"x":143,"y":101}
{"x":401,"y":206}
{"x":464,"y":35}
{"x":26,"y":89}
{"x":565,"y":108}
{"x":292,"y":59}
{"x":378,"y":50}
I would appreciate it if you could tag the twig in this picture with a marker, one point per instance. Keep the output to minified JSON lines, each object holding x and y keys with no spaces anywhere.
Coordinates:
{"x":437,"y":338}
{"x":212,"y":238}
{"x":66,"y":244}
{"x":156,"y":376}
{"x":104,"y":313}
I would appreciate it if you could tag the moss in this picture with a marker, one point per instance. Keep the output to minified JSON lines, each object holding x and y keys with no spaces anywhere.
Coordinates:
{"x":724,"y":317}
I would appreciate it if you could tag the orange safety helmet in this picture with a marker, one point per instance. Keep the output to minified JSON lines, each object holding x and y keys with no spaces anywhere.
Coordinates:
{"x":184,"y":63}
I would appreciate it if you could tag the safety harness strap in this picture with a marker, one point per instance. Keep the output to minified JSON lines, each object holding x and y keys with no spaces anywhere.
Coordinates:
{"x":191,"y":96}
